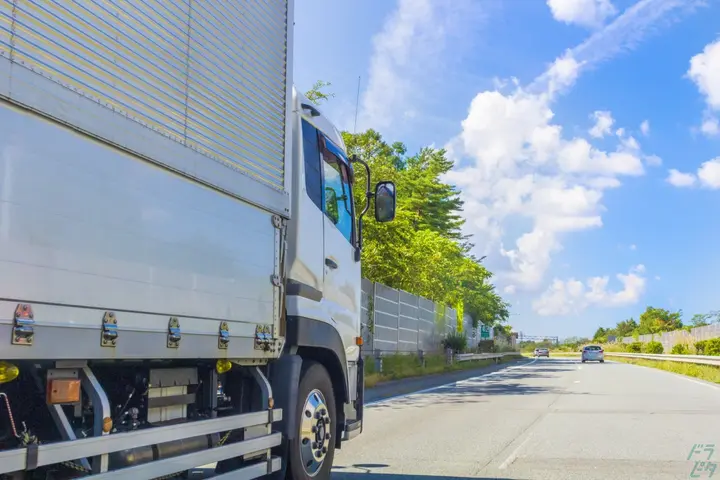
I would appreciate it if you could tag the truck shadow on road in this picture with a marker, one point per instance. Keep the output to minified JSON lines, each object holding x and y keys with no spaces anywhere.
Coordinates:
{"x":465,"y":392}
{"x":339,"y":474}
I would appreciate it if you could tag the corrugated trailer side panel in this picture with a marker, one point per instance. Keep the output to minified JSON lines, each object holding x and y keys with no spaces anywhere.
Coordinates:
{"x":208,"y":75}
{"x":127,"y":214}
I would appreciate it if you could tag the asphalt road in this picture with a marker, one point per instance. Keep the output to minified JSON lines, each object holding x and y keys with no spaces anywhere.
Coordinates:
{"x":549,"y":419}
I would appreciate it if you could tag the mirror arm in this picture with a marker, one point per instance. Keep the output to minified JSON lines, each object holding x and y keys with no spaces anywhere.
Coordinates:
{"x":368,"y":197}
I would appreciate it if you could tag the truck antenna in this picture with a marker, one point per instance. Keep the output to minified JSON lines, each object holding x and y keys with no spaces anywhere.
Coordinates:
{"x":357,"y":103}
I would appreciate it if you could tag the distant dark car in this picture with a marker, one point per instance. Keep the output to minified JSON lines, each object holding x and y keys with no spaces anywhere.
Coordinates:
{"x":593,"y":353}
{"x":542,"y":352}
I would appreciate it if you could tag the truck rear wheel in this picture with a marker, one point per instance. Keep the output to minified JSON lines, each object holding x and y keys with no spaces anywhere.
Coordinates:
{"x":313,"y":448}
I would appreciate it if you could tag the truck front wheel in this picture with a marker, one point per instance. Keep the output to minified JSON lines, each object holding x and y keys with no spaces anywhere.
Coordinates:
{"x":313,"y":448}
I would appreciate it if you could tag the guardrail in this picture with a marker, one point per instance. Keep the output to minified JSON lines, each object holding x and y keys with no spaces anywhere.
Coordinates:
{"x":698,"y":359}
{"x":464,"y":357}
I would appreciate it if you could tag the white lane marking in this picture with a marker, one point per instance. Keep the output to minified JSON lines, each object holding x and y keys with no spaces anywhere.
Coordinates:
{"x":576,"y":381}
{"x":579,"y":367}
{"x":710,"y":385}
{"x":685,"y":377}
{"x":403,"y":395}
{"x":513,"y":456}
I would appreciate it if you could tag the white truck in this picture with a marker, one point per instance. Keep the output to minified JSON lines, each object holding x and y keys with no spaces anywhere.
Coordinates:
{"x":179,"y":247}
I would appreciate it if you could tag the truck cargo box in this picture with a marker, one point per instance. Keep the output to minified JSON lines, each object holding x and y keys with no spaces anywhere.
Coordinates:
{"x":143,"y":177}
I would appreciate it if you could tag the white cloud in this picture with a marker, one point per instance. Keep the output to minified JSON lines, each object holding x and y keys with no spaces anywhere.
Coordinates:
{"x":409,"y":53}
{"x":603,"y":124}
{"x":680,"y":179}
{"x":709,"y":173}
{"x":705,"y":72}
{"x":510,"y":289}
{"x":587,"y":13}
{"x":623,"y":34}
{"x":633,"y":247}
{"x":562,"y":73}
{"x":657,"y":277}
{"x":388,"y":88}
{"x":515,"y":166}
{"x":645,"y":127}
{"x":708,"y":176}
{"x":522,"y":165}
{"x":653,"y":160}
{"x":710,"y":126}
{"x":573,"y":296}
{"x":638,"y":269}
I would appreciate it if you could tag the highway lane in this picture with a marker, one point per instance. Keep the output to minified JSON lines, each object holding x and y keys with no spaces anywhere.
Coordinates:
{"x":545,"y":419}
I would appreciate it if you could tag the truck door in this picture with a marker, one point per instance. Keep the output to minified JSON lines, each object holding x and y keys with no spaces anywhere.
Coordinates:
{"x":341,"y":288}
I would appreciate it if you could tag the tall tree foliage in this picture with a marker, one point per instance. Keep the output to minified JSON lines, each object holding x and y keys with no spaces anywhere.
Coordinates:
{"x":422,"y":251}
{"x":316,"y":94}
{"x":652,"y":321}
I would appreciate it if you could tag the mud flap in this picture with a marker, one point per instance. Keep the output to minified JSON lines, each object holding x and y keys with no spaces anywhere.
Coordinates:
{"x":284,"y":380}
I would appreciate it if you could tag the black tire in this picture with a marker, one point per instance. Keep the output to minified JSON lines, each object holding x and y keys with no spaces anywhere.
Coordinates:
{"x":602,"y":361}
{"x":312,"y":377}
{"x":583,"y":361}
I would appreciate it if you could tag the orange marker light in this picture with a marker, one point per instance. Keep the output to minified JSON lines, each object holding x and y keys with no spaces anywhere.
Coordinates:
{"x":63,"y":390}
{"x":358,"y":341}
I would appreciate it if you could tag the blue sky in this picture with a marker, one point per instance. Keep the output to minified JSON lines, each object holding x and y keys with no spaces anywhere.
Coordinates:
{"x":586,"y":213}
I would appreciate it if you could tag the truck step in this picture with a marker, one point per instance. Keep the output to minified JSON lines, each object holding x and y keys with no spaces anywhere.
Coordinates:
{"x":352,"y":429}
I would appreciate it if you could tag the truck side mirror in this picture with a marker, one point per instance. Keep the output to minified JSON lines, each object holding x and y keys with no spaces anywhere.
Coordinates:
{"x":385,"y":202}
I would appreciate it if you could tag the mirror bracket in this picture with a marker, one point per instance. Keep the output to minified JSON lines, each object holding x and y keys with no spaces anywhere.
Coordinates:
{"x":368,"y":198}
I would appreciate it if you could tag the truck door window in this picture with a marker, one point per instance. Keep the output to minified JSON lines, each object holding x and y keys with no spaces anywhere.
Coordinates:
{"x":313,"y":175}
{"x":338,"y":196}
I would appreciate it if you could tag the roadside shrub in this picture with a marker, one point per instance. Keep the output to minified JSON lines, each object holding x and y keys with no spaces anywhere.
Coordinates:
{"x":679,"y":349}
{"x":615,"y":347}
{"x":456,"y":341}
{"x":653,"y":347}
{"x":486,"y":346}
{"x":713,"y":347}
{"x":700,"y":346}
{"x":635,"y":347}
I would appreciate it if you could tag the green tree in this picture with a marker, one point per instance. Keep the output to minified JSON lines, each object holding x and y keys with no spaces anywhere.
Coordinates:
{"x":422,"y":251}
{"x":316,"y":94}
{"x":625,"y":327}
{"x":703,"y":319}
{"x":657,"y":320}
{"x":600,"y":334}
{"x":699,"y":320}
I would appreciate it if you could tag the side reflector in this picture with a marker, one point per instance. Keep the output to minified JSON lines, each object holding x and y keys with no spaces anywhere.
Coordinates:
{"x":358,"y":341}
{"x":63,"y":390}
{"x":223,"y":366}
{"x":8,"y":372}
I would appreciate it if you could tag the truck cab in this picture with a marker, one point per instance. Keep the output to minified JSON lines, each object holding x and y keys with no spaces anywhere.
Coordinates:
{"x":323,"y":301}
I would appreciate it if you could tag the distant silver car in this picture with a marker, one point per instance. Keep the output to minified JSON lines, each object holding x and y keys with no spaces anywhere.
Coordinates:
{"x":593,"y":353}
{"x":542,"y":352}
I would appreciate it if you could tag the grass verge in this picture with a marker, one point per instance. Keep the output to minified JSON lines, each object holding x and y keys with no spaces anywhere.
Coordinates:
{"x":396,"y":367}
{"x":709,"y":373}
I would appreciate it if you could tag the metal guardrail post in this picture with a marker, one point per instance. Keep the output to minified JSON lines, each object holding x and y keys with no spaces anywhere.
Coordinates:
{"x":449,"y":356}
{"x":378,"y":362}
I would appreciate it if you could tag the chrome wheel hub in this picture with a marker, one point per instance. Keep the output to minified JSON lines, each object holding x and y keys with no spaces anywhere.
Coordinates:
{"x":314,"y":432}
